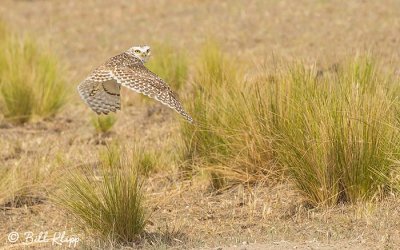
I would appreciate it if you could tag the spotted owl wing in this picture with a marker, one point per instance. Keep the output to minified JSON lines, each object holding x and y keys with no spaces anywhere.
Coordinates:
{"x":101,"y":91}
{"x":138,"y":78}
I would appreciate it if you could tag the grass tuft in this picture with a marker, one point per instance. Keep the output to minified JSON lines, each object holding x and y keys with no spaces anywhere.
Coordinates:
{"x":30,"y":79}
{"x":337,"y":134}
{"x":228,"y":140}
{"x":108,"y":201}
{"x":334,"y":132}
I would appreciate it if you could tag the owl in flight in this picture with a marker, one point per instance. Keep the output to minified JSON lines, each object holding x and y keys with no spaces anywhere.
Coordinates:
{"x":101,"y":89}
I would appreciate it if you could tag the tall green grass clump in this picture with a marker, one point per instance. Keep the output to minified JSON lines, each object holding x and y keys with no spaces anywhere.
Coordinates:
{"x":170,"y":64}
{"x":107,"y":202}
{"x":336,"y":133}
{"x":226,"y":140}
{"x":31,"y":84}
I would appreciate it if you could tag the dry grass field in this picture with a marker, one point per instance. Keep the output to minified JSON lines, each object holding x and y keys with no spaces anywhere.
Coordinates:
{"x":264,"y":205}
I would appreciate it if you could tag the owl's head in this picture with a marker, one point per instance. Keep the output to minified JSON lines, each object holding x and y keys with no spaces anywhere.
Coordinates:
{"x":141,"y":52}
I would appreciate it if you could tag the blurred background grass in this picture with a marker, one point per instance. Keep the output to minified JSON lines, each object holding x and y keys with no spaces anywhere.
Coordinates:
{"x":31,"y":81}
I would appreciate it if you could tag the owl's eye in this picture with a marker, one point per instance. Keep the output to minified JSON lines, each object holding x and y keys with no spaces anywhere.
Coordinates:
{"x":137,"y":51}
{"x":148,"y":51}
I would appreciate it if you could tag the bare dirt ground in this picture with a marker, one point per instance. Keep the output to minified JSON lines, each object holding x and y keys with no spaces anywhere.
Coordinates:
{"x":185,"y":213}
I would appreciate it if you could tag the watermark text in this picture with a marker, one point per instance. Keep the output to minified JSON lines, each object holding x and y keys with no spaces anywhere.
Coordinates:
{"x":55,"y":239}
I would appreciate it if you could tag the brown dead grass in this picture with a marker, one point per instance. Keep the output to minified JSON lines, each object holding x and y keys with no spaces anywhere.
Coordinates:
{"x":185,"y":213}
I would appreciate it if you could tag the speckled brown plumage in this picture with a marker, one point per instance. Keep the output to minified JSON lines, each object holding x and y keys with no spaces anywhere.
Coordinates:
{"x":101,"y":89}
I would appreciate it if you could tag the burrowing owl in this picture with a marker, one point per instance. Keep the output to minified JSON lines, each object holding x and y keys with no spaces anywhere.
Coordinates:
{"x":101,"y":89}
